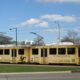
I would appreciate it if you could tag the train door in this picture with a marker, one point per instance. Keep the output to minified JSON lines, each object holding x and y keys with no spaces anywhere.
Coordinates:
{"x":44,"y":59}
{"x":14,"y":55}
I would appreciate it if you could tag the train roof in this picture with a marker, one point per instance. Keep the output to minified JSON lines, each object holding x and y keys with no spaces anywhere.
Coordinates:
{"x":47,"y":45}
{"x":59,"y":45}
{"x":62,"y":43}
{"x":12,"y":46}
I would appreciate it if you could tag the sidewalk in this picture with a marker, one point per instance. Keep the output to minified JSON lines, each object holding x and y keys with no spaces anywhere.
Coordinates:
{"x":34,"y":72}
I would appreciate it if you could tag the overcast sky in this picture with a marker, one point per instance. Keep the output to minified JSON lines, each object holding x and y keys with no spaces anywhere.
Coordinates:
{"x":40,"y":16}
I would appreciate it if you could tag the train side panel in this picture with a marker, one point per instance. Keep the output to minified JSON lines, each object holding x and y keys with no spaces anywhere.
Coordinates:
{"x":22,"y":55}
{"x":14,"y":54}
{"x":55,"y":54}
{"x":65,"y":55}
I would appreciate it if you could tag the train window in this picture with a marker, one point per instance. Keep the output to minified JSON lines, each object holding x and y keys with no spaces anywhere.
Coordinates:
{"x":21,"y":51}
{"x":35,"y":51}
{"x":62,"y":51}
{"x":6,"y":51}
{"x":79,"y":52}
{"x":43,"y":52}
{"x":1,"y":51}
{"x":52,"y":51}
{"x":14,"y":52}
{"x":71,"y":51}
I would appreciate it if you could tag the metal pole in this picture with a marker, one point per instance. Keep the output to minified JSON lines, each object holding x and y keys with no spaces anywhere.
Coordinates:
{"x":58,"y":38}
{"x":15,"y":33}
{"x":58,"y":33}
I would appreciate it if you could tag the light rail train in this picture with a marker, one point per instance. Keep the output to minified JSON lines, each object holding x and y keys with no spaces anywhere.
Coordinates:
{"x":48,"y":54}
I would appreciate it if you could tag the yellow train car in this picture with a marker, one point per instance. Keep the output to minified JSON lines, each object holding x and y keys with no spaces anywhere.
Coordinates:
{"x":55,"y":54}
{"x":48,"y":54}
{"x":13,"y":54}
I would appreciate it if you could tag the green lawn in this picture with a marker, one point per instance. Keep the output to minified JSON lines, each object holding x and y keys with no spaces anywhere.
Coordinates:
{"x":22,"y":68}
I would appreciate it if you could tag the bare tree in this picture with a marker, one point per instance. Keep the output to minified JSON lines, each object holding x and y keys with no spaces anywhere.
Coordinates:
{"x":38,"y":41}
{"x":72,"y":36}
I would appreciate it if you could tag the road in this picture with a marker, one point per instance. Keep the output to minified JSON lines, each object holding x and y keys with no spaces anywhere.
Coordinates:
{"x":41,"y":76}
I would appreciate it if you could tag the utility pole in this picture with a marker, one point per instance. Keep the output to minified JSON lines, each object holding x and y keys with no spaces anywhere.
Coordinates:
{"x":58,"y":37}
{"x":15,"y":33}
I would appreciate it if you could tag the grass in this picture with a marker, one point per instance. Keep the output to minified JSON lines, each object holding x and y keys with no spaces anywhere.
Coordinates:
{"x":22,"y":68}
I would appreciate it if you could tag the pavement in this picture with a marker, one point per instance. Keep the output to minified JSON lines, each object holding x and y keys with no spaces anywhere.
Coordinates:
{"x":59,"y":75}
{"x":21,"y":73}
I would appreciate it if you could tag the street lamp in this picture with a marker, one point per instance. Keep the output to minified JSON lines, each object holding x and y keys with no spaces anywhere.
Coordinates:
{"x":43,"y":50}
{"x":15,"y":33}
{"x":37,"y":35}
{"x":39,"y":38}
{"x":58,"y":38}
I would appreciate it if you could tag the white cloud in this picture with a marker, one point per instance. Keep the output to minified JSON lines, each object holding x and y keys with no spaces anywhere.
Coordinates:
{"x":57,"y":17}
{"x":45,"y":20}
{"x":77,"y":30}
{"x":60,"y":1}
{"x":35,"y":22}
{"x":43,"y":24}
{"x":30,"y":22}
{"x":51,"y":30}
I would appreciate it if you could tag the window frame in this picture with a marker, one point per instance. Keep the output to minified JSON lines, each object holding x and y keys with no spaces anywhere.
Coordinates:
{"x":1,"y":52}
{"x":78,"y":52}
{"x":61,"y":51}
{"x":7,"y":51}
{"x":46,"y":52}
{"x":35,"y":53}
{"x":20,"y":52}
{"x":14,"y":52}
{"x":71,"y":53}
{"x":53,"y":51}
